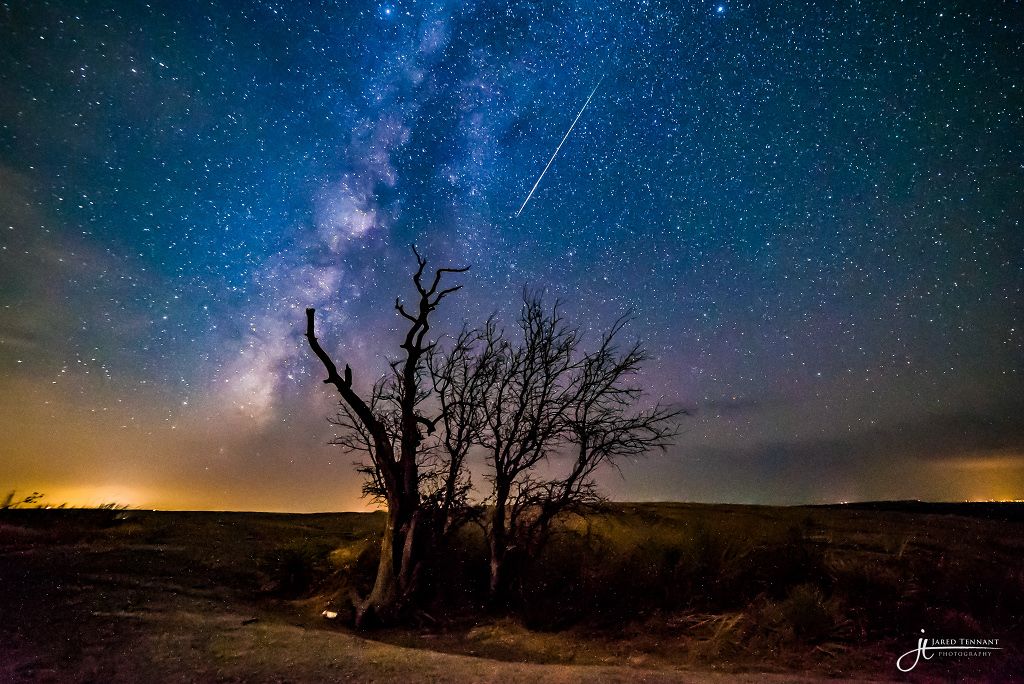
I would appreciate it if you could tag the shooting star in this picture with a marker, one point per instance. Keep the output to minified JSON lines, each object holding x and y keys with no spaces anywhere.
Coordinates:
{"x":539,"y":178}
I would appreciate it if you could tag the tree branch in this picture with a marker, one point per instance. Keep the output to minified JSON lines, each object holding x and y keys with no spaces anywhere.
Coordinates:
{"x":343,"y":383}
{"x":431,"y":424}
{"x":441,"y":272}
{"x":325,"y":359}
{"x":401,"y":309}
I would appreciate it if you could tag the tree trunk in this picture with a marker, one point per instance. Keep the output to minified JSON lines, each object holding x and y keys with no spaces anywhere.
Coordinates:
{"x":397,"y":569}
{"x":377,"y":605}
{"x":498,"y":588}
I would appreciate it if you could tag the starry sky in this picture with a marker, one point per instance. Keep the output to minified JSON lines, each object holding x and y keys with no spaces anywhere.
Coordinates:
{"x":812,"y":209}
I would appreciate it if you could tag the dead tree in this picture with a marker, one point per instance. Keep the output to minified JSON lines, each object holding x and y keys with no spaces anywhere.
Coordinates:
{"x":601,"y":426}
{"x":544,"y":396}
{"x":392,"y":439}
{"x":524,"y":413}
{"x":462,"y":377}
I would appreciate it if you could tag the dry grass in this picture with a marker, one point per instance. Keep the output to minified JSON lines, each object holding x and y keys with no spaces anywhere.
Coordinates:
{"x":659,"y":592}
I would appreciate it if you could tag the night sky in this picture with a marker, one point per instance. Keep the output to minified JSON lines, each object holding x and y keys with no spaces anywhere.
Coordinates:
{"x":813,"y":211}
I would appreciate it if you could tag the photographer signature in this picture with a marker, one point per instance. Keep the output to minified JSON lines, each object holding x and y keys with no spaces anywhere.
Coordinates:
{"x":924,"y":649}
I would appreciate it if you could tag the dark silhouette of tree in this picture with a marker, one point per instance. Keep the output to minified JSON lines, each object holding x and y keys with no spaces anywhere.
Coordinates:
{"x":601,"y":426}
{"x":461,"y":379}
{"x":387,"y":429}
{"x":524,"y":413}
{"x":539,"y":396}
{"x":521,"y":400}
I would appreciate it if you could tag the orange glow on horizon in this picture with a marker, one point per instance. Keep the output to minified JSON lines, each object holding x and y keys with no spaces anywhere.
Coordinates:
{"x":135,"y":497}
{"x":985,"y":476}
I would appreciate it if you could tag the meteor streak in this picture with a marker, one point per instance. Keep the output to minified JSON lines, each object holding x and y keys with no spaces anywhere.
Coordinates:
{"x":559,"y":146}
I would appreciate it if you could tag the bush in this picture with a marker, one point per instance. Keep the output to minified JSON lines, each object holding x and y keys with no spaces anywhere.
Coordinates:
{"x":807,"y":614}
{"x":295,"y":570}
{"x":553,"y":589}
{"x":773,"y":569}
{"x":607,"y":580}
{"x":804,"y":616}
{"x":456,"y":575}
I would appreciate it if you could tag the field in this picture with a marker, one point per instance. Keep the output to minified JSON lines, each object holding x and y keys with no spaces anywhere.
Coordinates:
{"x":634,"y":592}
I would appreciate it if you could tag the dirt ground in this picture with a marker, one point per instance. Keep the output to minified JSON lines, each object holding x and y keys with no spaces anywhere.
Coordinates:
{"x":176,"y":597}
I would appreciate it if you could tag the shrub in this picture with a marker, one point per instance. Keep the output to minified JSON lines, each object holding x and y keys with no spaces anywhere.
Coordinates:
{"x":805,"y":615}
{"x":773,"y":569}
{"x":296,"y":570}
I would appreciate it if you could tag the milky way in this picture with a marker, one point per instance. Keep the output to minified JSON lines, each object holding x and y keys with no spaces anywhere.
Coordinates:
{"x":813,"y":214}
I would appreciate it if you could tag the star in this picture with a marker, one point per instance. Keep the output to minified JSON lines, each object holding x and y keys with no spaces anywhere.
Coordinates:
{"x":791,"y":220}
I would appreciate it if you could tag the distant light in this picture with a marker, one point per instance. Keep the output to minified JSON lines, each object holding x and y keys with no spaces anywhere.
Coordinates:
{"x":720,"y":9}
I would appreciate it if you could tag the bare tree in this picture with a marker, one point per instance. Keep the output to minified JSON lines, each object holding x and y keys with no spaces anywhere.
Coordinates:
{"x":542,"y":395}
{"x":387,"y":430}
{"x":524,"y":412}
{"x":462,"y":378}
{"x":602,"y":425}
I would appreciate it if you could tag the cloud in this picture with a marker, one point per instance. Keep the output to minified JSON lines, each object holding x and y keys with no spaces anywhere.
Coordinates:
{"x":731,"y":405}
{"x":49,"y":276}
{"x":933,"y":438}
